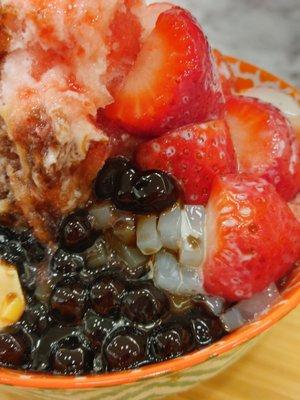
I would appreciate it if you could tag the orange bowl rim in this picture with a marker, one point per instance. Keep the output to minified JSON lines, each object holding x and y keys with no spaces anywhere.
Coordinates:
{"x":290,"y":300}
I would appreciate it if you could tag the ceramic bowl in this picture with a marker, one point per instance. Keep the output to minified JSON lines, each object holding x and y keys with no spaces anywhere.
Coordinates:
{"x":159,"y":380}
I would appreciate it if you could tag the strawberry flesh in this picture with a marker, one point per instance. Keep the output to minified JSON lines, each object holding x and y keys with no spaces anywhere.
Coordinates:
{"x":148,"y":16}
{"x":194,"y":155}
{"x":173,"y":81}
{"x":264,"y":142}
{"x":124,"y":44}
{"x":253,"y":238}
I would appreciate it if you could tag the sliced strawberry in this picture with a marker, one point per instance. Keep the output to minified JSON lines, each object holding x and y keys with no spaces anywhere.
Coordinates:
{"x":226,"y":74}
{"x":124,"y":43}
{"x":264,"y":142}
{"x":194,"y":154}
{"x":253,"y":238}
{"x":149,"y":15}
{"x":173,"y":81}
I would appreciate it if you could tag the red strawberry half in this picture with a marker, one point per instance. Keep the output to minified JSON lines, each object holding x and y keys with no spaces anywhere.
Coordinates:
{"x":173,"y":81}
{"x":253,"y":238}
{"x":194,"y":154}
{"x":264,"y":142}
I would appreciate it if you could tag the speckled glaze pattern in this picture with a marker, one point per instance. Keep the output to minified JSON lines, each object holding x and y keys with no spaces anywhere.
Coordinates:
{"x":159,"y":380}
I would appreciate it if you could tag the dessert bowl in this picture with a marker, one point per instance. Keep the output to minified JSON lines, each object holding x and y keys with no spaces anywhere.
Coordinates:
{"x":177,"y":375}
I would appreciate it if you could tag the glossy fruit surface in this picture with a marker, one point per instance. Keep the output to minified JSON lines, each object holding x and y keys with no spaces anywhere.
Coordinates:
{"x":173,"y":81}
{"x":265,"y":142}
{"x":194,"y":155}
{"x":245,"y":253}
